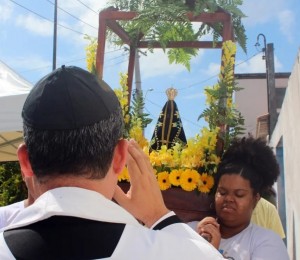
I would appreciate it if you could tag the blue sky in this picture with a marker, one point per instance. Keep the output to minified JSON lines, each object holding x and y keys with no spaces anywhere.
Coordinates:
{"x":26,"y":46}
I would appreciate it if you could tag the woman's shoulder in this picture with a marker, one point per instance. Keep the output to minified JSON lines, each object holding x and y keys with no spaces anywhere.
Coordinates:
{"x":268,"y":243}
{"x":261,"y":234}
{"x":255,"y":241}
{"x":254,"y":235}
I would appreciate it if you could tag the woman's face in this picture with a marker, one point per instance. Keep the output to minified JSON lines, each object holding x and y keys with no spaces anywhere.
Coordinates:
{"x":234,"y":201}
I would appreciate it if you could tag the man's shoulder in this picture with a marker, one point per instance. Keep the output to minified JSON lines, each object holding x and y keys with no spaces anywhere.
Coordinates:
{"x":9,"y":212}
{"x":13,"y":206}
{"x":65,"y":237}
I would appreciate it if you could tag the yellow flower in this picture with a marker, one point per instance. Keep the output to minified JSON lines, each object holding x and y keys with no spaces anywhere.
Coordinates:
{"x":163,"y":180}
{"x":136,"y":133}
{"x":206,"y":182}
{"x":176,"y":154}
{"x":127,"y":119}
{"x":174,"y":177}
{"x":155,"y":159}
{"x":214,"y":159}
{"x":91,"y":50}
{"x":124,"y":176}
{"x":189,"y":179}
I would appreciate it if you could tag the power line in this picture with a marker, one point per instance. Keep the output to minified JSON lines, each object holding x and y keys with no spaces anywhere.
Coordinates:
{"x":87,"y":6}
{"x":214,"y":76}
{"x":117,"y":63}
{"x":73,"y":16}
{"x":72,"y":61}
{"x":45,"y":18}
{"x":29,"y":10}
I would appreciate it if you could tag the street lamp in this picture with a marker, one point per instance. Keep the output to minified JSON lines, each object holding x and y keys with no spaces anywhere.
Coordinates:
{"x":257,"y":44}
{"x":148,"y":90}
{"x":268,"y":56}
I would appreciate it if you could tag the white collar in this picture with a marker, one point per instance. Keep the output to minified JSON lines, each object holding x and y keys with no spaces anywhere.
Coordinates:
{"x":73,"y":201}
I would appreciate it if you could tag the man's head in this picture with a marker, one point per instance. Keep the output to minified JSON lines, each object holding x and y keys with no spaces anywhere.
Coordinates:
{"x":72,"y":124}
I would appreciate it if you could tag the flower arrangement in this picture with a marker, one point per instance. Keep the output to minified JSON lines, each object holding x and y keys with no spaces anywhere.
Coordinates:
{"x":190,"y":167}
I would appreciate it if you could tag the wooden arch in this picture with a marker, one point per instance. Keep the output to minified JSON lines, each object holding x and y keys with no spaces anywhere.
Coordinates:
{"x":109,"y":18}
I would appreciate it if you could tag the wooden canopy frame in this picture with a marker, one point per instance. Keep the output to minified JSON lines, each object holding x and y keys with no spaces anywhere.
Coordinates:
{"x":109,"y":18}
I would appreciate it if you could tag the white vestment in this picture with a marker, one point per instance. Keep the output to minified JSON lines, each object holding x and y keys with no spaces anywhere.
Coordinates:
{"x":175,"y":241}
{"x":9,"y":212}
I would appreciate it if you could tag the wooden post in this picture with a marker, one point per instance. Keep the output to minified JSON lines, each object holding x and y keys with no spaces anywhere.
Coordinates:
{"x":272,"y":106}
{"x":132,"y":52}
{"x":101,"y":45}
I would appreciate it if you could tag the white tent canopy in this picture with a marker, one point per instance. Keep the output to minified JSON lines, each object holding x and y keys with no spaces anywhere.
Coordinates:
{"x":13,"y":92}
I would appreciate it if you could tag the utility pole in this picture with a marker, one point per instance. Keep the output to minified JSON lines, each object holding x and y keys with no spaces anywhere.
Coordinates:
{"x":137,"y":74}
{"x":271,"y":86}
{"x":268,"y":50}
{"x":54,"y":36}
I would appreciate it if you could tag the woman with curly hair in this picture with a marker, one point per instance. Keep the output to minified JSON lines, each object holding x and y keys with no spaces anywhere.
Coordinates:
{"x":248,"y":167}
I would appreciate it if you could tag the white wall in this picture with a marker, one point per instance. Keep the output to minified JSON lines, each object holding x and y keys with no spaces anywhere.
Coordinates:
{"x":251,"y":101}
{"x":288,"y":130}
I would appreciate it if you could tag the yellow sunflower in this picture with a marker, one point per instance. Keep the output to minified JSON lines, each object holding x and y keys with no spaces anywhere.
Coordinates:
{"x":174,"y":177}
{"x":206,"y":182}
{"x":124,"y":176}
{"x":189,"y":179}
{"x":163,"y":180}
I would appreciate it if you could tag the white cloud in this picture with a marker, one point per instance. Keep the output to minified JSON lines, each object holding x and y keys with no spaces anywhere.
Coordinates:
{"x":197,"y":59}
{"x":43,"y":27}
{"x":5,"y":11}
{"x":198,"y":96}
{"x":256,"y":65}
{"x":213,"y":70}
{"x":86,"y":24}
{"x":86,"y":13}
{"x":277,"y":64}
{"x":157,"y":64}
{"x":35,"y":25}
{"x":37,"y":66}
{"x":36,"y":61}
{"x":287,"y":21}
{"x":261,"y":12}
{"x":253,"y":65}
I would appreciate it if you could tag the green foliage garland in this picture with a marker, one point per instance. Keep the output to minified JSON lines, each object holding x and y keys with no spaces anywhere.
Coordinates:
{"x":165,"y":21}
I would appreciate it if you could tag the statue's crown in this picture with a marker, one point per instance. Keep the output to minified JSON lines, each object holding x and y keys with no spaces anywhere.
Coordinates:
{"x":171,"y":93}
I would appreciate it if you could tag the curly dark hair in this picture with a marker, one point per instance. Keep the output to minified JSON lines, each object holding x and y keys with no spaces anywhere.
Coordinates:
{"x":253,"y":159}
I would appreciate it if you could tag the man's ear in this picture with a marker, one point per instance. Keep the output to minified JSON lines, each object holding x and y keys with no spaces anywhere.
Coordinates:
{"x":24,"y":161}
{"x":120,"y":156}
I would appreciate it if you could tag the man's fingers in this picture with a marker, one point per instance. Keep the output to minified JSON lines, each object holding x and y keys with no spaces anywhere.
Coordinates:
{"x":120,"y":197}
{"x":139,"y":167}
{"x":133,"y":169}
{"x":137,"y":155}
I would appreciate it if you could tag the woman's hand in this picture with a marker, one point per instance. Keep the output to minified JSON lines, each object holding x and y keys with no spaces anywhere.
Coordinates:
{"x":209,"y":228}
